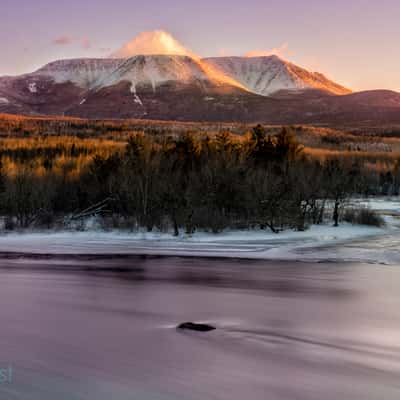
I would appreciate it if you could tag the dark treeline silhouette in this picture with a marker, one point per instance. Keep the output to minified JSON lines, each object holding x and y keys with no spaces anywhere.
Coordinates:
{"x":186,"y":182}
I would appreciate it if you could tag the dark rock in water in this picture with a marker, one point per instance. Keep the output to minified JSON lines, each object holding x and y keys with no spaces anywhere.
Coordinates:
{"x":191,"y":326}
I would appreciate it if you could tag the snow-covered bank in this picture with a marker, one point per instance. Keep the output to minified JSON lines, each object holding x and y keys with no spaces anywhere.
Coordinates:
{"x":383,"y":205}
{"x":241,"y":244}
{"x":324,"y":242}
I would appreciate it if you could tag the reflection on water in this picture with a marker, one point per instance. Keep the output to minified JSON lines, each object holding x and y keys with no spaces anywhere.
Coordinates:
{"x":105,"y":329}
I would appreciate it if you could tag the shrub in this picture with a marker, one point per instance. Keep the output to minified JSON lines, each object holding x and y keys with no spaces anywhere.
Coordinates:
{"x":363,"y":216}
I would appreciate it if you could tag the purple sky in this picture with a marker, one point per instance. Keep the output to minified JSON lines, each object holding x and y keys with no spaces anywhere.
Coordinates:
{"x":355,"y":42}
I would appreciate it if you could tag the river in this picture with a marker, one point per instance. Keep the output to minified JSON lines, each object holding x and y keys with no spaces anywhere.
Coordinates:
{"x":97,"y":328}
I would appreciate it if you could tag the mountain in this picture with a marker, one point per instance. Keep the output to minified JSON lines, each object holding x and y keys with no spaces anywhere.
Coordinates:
{"x":184,"y":87}
{"x":81,"y":72}
{"x":113,"y":87}
{"x":156,"y":70}
{"x":270,"y":74}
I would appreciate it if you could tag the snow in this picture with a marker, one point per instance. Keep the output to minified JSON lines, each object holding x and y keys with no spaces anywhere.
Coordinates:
{"x":346,"y":243}
{"x":261,"y":75}
{"x":238,"y":244}
{"x":155,"y":70}
{"x":85,"y":73}
{"x":3,"y":100}
{"x":136,"y":98}
{"x":270,"y":74}
{"x":32,"y":87}
{"x":383,"y":204}
{"x":82,"y":102}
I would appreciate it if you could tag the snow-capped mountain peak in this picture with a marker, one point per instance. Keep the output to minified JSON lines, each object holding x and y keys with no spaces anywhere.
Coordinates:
{"x":159,"y":69}
{"x":83,"y":72}
{"x":83,"y":86}
{"x":154,"y":70}
{"x":270,"y":74}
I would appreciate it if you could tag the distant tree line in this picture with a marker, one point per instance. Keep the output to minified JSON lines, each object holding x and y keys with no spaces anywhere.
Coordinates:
{"x":182,"y":183}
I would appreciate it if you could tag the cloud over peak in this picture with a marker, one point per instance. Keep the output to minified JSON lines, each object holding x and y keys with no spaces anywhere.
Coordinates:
{"x":155,"y":42}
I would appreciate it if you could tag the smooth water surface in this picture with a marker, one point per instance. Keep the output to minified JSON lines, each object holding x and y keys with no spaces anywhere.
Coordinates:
{"x":105,"y":329}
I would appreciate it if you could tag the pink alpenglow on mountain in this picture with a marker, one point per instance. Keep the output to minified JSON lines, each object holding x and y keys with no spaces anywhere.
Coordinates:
{"x":155,"y":77}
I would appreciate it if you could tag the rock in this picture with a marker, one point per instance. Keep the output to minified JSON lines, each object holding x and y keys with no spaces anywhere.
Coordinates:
{"x":191,"y":326}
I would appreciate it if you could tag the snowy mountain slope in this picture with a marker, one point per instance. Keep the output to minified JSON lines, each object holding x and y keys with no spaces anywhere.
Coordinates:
{"x":260,"y":75}
{"x":82,"y":72}
{"x":86,"y":86}
{"x":155,"y":70}
{"x":140,"y":70}
{"x":271,"y":74}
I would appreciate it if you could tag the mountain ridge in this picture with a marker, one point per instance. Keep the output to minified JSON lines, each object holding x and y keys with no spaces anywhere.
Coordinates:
{"x":183,"y":88}
{"x":267,"y":75}
{"x":86,"y":71}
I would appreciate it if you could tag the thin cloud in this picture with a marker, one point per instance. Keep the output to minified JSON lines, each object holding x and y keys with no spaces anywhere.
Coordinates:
{"x":277,"y":51}
{"x":63,"y":40}
{"x":84,"y":42}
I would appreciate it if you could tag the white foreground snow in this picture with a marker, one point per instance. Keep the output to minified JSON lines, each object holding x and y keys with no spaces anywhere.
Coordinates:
{"x":320,"y":243}
{"x":240,"y":244}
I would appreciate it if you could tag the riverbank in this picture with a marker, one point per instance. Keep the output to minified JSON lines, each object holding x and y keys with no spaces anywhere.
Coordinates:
{"x":231,"y":244}
{"x":319,"y":243}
